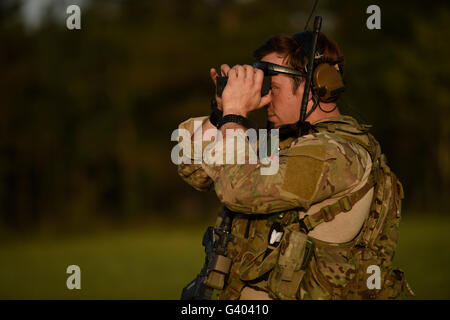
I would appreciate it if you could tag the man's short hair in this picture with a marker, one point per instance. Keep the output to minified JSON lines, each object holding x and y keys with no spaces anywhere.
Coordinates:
{"x":295,"y":55}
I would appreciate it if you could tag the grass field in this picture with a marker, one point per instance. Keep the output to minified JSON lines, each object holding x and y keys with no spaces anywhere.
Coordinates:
{"x":156,"y":262}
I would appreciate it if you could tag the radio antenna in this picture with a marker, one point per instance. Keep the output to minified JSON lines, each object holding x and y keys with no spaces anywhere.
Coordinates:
{"x":304,"y":126}
{"x":311,"y":13}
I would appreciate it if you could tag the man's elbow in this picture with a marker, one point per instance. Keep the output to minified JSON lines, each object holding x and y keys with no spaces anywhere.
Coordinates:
{"x":195,"y":177}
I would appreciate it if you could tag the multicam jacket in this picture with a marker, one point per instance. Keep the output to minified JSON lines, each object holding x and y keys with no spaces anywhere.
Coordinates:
{"x":335,"y":175}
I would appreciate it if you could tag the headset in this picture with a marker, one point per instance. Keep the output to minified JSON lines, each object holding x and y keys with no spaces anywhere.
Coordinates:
{"x":327,"y":76}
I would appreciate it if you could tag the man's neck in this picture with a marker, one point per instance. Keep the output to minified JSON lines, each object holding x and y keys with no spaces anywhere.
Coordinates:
{"x":318,"y":114}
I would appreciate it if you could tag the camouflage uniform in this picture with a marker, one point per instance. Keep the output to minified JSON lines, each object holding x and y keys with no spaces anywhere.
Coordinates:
{"x":320,"y":176}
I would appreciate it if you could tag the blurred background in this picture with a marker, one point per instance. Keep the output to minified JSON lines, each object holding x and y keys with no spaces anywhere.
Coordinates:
{"x":86,"y":118}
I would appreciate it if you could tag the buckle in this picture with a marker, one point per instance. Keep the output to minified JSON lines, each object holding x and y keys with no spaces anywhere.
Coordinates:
{"x":345,"y":204}
{"x":327,"y":215}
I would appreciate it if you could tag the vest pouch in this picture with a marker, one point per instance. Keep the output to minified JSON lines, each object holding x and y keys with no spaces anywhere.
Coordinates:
{"x":255,"y":262}
{"x":395,"y":286}
{"x":254,"y":265}
{"x":296,"y":250}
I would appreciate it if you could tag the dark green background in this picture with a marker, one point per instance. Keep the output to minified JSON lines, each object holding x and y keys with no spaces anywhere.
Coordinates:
{"x":86,"y":118}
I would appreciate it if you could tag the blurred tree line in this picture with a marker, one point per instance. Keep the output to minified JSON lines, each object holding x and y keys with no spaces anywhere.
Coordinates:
{"x":86,"y":116}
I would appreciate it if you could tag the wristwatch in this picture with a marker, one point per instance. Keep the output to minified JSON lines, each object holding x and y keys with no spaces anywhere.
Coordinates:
{"x":236,"y":119}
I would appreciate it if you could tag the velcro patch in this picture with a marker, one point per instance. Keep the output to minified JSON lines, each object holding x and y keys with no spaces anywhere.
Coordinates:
{"x":303,"y":173}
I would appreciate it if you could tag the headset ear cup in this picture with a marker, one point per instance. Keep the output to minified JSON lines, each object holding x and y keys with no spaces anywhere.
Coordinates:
{"x":321,"y":92}
{"x":327,"y":82}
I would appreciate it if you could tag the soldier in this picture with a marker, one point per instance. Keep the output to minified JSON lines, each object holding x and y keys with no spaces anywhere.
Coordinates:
{"x":312,"y":229}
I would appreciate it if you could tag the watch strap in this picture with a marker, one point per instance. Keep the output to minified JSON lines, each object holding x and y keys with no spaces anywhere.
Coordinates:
{"x":236,"y":119}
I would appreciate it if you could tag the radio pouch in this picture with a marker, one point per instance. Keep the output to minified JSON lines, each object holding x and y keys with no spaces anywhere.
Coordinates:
{"x":296,"y":250}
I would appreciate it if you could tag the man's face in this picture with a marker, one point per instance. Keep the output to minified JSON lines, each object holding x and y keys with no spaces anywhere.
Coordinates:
{"x":285,"y":105}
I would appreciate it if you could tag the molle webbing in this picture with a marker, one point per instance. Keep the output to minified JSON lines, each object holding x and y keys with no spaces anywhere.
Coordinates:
{"x":361,"y":136}
{"x":328,"y":213}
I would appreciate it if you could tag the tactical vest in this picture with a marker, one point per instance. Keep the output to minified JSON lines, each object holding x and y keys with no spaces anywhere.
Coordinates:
{"x":300,"y":267}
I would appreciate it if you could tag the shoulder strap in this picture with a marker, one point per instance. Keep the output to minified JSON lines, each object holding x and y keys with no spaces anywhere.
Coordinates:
{"x":328,"y":213}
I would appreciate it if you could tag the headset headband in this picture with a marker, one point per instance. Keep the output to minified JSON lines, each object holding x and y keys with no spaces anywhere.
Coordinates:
{"x":304,"y":39}
{"x":272,"y":69}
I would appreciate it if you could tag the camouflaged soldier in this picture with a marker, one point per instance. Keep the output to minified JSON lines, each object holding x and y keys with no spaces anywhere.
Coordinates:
{"x":311,"y":230}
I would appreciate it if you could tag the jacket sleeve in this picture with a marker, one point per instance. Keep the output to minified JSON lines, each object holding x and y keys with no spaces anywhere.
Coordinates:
{"x":312,"y":169}
{"x":189,"y":171}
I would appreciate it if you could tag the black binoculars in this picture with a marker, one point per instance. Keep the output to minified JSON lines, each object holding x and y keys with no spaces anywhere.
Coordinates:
{"x":269,"y":69}
{"x":222,"y":82}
